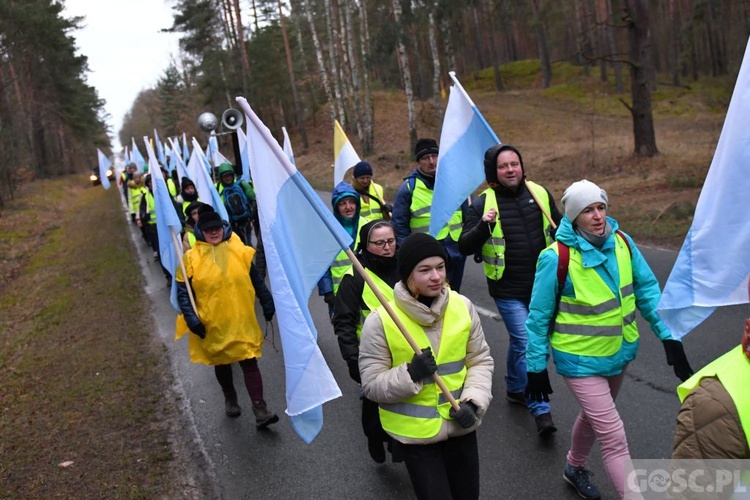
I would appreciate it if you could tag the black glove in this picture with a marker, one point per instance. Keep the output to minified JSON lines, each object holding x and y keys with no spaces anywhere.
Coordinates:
{"x":197,"y":328}
{"x":422,"y":365}
{"x":676,"y":357}
{"x":328,"y":298}
{"x":538,"y":387}
{"x":354,"y":371}
{"x":466,"y":416}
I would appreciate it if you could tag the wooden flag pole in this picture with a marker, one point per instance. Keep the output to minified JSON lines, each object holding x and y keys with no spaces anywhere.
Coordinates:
{"x":184,"y":271}
{"x":541,"y":207}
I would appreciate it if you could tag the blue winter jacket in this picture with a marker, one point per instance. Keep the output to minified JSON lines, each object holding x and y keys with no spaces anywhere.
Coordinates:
{"x":544,"y":297}
{"x":342,"y":190}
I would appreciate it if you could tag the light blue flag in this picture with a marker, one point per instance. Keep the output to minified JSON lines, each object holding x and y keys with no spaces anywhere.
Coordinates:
{"x":159,"y":149}
{"x":288,"y":146}
{"x":180,"y":161}
{"x":172,"y":164}
{"x":713,"y":265}
{"x":138,"y":159}
{"x":168,"y":225}
{"x":185,"y":151}
{"x":301,"y":239}
{"x":196,"y":172}
{"x":460,"y":168}
{"x":104,"y":168}
{"x":244,"y":154}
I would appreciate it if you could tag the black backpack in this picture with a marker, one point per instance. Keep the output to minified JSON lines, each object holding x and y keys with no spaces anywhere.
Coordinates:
{"x":238,"y":206}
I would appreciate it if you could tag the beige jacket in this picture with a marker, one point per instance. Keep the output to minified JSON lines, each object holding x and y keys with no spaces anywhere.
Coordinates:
{"x":383,"y":384}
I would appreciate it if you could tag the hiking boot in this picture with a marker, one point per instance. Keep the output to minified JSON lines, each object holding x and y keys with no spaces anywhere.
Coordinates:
{"x":231,"y":407}
{"x":578,"y":478}
{"x":263,"y":418}
{"x":544,"y":424}
{"x":515,"y":398}
{"x":376,"y":449}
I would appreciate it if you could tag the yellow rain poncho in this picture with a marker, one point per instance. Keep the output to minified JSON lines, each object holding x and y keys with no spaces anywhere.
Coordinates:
{"x":225,"y":299}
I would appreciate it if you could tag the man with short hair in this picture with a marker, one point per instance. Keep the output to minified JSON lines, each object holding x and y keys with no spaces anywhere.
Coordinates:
{"x":507,"y":226}
{"x":411,"y":210}
{"x":371,"y":197}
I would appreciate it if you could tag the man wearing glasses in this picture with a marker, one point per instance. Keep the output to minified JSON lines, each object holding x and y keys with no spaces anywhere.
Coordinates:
{"x":411,"y":210}
{"x":354,"y":301}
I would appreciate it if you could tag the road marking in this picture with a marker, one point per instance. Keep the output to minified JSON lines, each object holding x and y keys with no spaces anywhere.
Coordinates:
{"x":487,"y":313}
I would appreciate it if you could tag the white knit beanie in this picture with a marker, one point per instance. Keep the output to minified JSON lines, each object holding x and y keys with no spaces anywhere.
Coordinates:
{"x":580,"y":195}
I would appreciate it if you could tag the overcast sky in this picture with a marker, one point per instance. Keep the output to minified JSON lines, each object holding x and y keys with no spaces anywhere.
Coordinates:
{"x":125,"y":49}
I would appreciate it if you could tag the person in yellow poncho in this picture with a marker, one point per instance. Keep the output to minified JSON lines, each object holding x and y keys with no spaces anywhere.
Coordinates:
{"x":226,"y":330}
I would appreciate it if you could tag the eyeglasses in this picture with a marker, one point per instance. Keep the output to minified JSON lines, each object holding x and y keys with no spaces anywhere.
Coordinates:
{"x":383,"y":243}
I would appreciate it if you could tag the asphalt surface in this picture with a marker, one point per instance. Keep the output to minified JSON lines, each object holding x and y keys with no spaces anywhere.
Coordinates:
{"x":515,"y":463}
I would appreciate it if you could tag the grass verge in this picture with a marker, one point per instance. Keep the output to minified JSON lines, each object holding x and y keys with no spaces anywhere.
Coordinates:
{"x":85,"y":408}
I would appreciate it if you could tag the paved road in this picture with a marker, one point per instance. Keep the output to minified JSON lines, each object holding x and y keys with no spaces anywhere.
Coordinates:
{"x":275,"y":463}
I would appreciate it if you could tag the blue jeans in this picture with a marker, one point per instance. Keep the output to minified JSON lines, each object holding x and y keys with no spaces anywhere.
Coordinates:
{"x":514,"y":313}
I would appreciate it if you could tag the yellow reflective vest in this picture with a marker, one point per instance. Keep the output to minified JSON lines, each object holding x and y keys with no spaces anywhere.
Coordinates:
{"x":371,"y":208}
{"x":595,"y":321}
{"x":421,"y":416}
{"x":493,"y":250}
{"x":341,"y":263}
{"x":733,"y":371}
{"x":421,"y":206}
{"x":369,"y":297}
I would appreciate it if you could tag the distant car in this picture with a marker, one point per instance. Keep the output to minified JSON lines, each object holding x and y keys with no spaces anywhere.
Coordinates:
{"x":94,"y":177}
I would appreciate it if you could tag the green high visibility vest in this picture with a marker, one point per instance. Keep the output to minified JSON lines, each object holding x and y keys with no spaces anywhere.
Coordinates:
{"x":369,"y":297}
{"x":421,"y":206}
{"x":493,"y":250}
{"x":341,"y":263}
{"x":595,"y":321}
{"x":733,"y":371}
{"x":421,"y":415}
{"x":371,"y":208}
{"x":150,"y":203}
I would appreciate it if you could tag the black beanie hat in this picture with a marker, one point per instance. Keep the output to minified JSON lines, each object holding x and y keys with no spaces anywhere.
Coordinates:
{"x":490,"y":161}
{"x":425,"y":147}
{"x":185,"y":183}
{"x":362,"y":168}
{"x":209,"y":220}
{"x":415,"y":248}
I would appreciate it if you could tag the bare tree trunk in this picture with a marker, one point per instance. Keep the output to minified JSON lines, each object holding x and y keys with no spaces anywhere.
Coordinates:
{"x":675,"y":16}
{"x":354,"y":69}
{"x":243,"y":48}
{"x":343,"y":49}
{"x":616,"y":66}
{"x":540,"y":30}
{"x":477,"y":39}
{"x":406,"y":75}
{"x":488,"y":14}
{"x":335,"y":70}
{"x":368,"y":137}
{"x":255,"y":16}
{"x":292,"y":80}
{"x":639,"y":35}
{"x":321,"y":60}
{"x":432,"y":32}
{"x":445,"y":29}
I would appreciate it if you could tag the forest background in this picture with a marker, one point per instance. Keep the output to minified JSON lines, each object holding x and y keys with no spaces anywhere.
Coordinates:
{"x":628,"y":93}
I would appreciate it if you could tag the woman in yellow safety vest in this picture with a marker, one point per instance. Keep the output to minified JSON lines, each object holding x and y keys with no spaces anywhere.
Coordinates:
{"x":354,"y":302}
{"x":585,"y":311}
{"x":438,"y":443}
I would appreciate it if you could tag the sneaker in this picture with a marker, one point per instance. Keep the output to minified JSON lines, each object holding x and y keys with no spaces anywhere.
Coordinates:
{"x":578,"y":478}
{"x":544,"y":424}
{"x":263,"y":417}
{"x":515,"y":398}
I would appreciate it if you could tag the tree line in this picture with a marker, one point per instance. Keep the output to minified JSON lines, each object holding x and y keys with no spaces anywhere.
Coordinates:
{"x":51,"y":120}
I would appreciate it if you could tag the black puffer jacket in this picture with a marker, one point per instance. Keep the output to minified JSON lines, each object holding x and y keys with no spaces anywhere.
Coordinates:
{"x":522,"y":222}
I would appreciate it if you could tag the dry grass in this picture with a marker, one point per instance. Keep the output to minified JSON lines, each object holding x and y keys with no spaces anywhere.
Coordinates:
{"x":563,"y":139}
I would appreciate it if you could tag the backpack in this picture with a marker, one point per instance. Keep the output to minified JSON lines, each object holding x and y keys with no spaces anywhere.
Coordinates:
{"x":563,"y":259}
{"x":238,"y":206}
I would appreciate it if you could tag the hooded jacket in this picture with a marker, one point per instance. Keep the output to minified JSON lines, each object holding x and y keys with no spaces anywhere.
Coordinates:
{"x":544,"y":299}
{"x":385,"y":384}
{"x":225,"y":285}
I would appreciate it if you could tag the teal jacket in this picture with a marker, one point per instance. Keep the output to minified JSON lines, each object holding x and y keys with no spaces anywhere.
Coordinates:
{"x":544,"y":297}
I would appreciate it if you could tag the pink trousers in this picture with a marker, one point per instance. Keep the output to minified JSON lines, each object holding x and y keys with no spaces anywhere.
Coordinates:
{"x":599,"y":419}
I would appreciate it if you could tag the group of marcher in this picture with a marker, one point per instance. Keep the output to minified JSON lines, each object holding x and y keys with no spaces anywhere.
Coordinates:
{"x":567,"y":282}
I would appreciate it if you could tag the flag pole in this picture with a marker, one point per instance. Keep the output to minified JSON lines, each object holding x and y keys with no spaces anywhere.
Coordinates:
{"x":452,"y":74}
{"x":357,"y":265}
{"x":184,"y":271}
